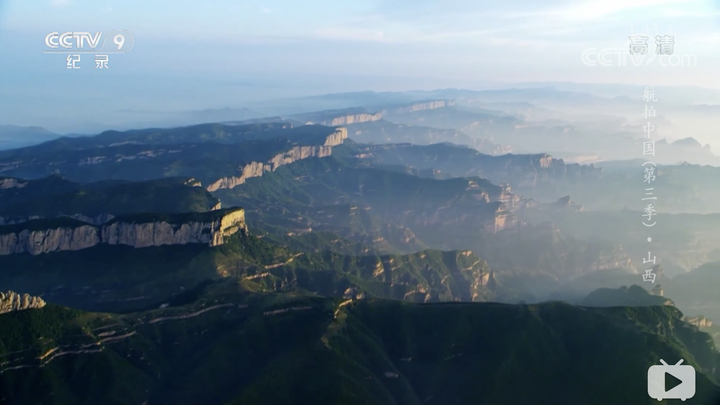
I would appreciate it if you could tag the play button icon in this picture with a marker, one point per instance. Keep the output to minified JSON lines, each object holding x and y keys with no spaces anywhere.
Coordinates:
{"x":671,"y":381}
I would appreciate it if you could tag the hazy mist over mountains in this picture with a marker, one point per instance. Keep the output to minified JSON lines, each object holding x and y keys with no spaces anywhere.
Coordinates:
{"x":538,"y":119}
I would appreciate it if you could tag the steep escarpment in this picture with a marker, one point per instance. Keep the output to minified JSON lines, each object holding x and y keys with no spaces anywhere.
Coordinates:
{"x":12,"y":301}
{"x":334,"y":118}
{"x":139,"y":230}
{"x":352,"y":119}
{"x":336,"y":138}
{"x":256,"y":169}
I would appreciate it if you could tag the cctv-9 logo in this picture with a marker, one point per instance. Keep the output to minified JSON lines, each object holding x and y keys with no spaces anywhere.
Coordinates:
{"x":112,"y":42}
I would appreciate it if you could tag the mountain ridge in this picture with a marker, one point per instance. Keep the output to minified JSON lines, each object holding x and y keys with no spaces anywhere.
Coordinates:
{"x":352,"y":351}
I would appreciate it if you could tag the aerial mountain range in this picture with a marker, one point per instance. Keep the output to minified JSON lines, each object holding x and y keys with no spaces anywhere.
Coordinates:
{"x":389,"y":254}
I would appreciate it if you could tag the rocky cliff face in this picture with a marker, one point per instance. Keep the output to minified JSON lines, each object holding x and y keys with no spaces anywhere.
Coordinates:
{"x":337,"y":137}
{"x":352,"y":119}
{"x":298,"y":153}
{"x":125,"y":232}
{"x":49,"y":240}
{"x":256,"y":169}
{"x":12,"y":301}
{"x":509,"y":200}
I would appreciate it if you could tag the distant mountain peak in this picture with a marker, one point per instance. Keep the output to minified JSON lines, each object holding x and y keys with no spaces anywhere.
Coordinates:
{"x":632,"y":296}
{"x":13,"y":136}
{"x":688,"y":142}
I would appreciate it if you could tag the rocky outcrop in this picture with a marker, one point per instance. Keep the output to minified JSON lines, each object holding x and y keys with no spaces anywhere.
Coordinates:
{"x":298,"y":153}
{"x":253,"y":169}
{"x":699,"y":321}
{"x":161,"y":233}
{"x":256,"y":169}
{"x":337,"y":137}
{"x":210,"y":228}
{"x":12,"y":301}
{"x":510,"y":200}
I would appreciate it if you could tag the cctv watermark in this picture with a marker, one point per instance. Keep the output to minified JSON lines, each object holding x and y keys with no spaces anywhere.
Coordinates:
{"x":86,"y":42}
{"x":614,"y":57}
{"x":76,"y":43}
{"x":636,"y":54}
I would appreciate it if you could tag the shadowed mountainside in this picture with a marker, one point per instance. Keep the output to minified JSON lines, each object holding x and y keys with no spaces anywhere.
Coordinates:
{"x":54,"y":196}
{"x":278,"y":349}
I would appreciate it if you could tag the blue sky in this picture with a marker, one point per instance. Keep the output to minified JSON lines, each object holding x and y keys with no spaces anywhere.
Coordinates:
{"x":211,"y":54}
